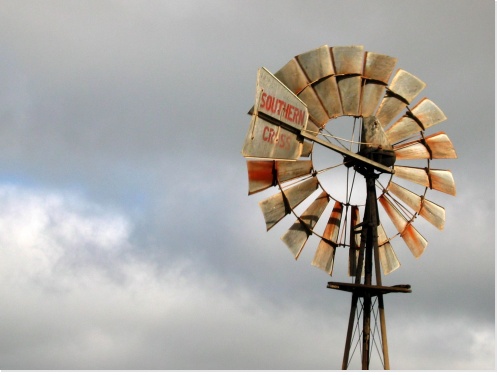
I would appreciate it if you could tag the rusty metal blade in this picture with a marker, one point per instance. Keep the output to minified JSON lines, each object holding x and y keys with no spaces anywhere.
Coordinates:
{"x":325,"y":253}
{"x":435,"y":146}
{"x":316,"y":63}
{"x":442,"y":180}
{"x":413,"y":239}
{"x":260,"y":175}
{"x":436,"y":179}
{"x":328,"y":92}
{"x":440,"y":146}
{"x":430,"y":211}
{"x":348,"y":59}
{"x":306,"y":149}
{"x":403,"y":89}
{"x":288,"y":170}
{"x":428,"y":113}
{"x":406,"y":85}
{"x":379,"y":67}
{"x":354,"y":242}
{"x":292,"y":76}
{"x":350,"y":94}
{"x":372,"y":93}
{"x":401,"y":129}
{"x":413,"y":174}
{"x":387,"y":256}
{"x":276,"y":207}
{"x":421,"y":117}
{"x":269,"y":141}
{"x":296,"y":237}
{"x":412,"y":150}
{"x":316,"y":111}
{"x":390,"y":107}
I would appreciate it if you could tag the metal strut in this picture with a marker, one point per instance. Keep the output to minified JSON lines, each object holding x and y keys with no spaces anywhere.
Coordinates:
{"x":368,"y":259}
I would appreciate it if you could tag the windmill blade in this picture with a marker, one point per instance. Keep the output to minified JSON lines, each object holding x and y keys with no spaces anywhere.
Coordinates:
{"x":430,"y":211}
{"x":435,"y":146}
{"x":440,"y":146}
{"x":436,"y":179}
{"x":413,"y":239}
{"x":403,"y":89}
{"x":349,"y":64}
{"x":379,"y":67}
{"x":263,"y":174}
{"x":328,"y":92}
{"x":387,"y":256}
{"x":260,"y":175}
{"x":317,"y":112}
{"x":377,"y":71}
{"x":421,"y":117}
{"x":296,"y":237}
{"x":292,"y":76}
{"x":354,"y":242}
{"x":325,"y":253}
{"x":306,"y":149}
{"x":316,"y":63}
{"x":277,"y":206}
{"x":442,"y":180}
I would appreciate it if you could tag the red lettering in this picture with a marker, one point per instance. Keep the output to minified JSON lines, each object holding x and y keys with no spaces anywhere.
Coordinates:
{"x":263,"y":100}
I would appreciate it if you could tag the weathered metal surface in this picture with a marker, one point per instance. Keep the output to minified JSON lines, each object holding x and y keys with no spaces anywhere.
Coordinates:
{"x":354,"y":242}
{"x":260,"y":175}
{"x":435,"y":146}
{"x":269,"y":141}
{"x":406,"y":85}
{"x":316,"y":63}
{"x":440,"y":146}
{"x":442,"y":180}
{"x":288,"y":170}
{"x":316,"y":111}
{"x":428,"y":113}
{"x":292,"y":76}
{"x":372,"y":93}
{"x":373,"y":290}
{"x":430,"y":211}
{"x":413,"y":174}
{"x":436,"y":179}
{"x":348,"y":59}
{"x":403,"y":89}
{"x":306,"y":149}
{"x":275,"y":207}
{"x":412,"y":150}
{"x":276,"y":100}
{"x":328,"y":92}
{"x":296,"y":237}
{"x":390,"y":107}
{"x":263,"y":174}
{"x":388,"y":259}
{"x":413,"y":239}
{"x":325,"y":253}
{"x":379,"y":67}
{"x":350,"y":94}
{"x":421,"y":117}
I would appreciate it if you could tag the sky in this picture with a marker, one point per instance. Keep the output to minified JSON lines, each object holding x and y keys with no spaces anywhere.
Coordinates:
{"x":127,"y":238}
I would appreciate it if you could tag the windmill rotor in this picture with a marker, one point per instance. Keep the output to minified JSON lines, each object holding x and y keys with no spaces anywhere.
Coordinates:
{"x":350,"y":106}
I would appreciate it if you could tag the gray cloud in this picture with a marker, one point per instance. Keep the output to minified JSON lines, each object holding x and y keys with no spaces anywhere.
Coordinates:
{"x":139,"y":110}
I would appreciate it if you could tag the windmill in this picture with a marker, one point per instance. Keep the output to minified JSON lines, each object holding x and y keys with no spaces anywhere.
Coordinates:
{"x":381,"y":153}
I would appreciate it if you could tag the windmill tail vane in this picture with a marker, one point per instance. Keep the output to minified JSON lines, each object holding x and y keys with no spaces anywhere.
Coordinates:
{"x":296,"y":113}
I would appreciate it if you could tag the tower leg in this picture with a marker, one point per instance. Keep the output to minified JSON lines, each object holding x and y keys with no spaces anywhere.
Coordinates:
{"x":348,"y":339}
